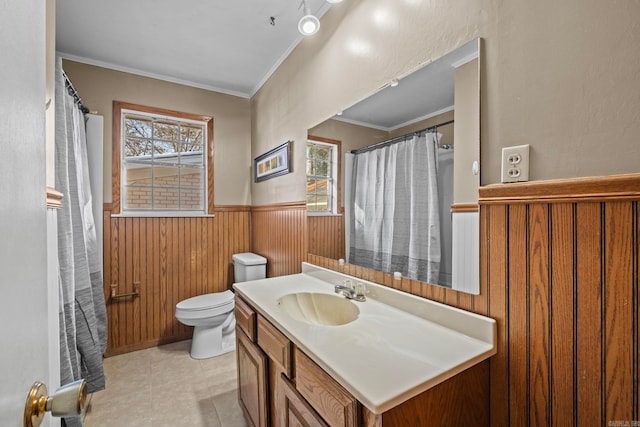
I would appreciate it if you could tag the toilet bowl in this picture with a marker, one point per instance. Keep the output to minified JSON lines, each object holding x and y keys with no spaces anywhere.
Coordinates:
{"x":212,"y":317}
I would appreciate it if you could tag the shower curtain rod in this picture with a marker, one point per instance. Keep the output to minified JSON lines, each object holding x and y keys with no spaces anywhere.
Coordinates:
{"x":72,"y":91}
{"x":399,"y":138}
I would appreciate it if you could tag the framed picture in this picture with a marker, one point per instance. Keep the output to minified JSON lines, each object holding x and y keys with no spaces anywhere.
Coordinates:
{"x":273,"y":163}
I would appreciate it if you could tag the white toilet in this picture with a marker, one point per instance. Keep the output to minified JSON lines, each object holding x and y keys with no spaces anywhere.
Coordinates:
{"x":211,"y":315}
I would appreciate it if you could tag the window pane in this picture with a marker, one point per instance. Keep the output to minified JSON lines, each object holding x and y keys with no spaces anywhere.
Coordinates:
{"x":138,"y":174}
{"x":321,"y":168}
{"x":311,"y":203}
{"x":322,"y":187}
{"x":191,"y":135}
{"x":191,"y":199}
{"x":191,"y":156}
{"x":166,"y":131}
{"x":138,"y":197}
{"x":322,"y":203}
{"x":320,"y":152}
{"x":136,"y":147}
{"x":165,"y":198}
{"x":192,"y":178}
{"x":165,"y":176}
{"x":138,"y":127}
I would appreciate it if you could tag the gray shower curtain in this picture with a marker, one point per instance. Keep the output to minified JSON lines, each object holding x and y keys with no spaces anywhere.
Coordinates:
{"x":394,"y":210}
{"x":83,"y":317}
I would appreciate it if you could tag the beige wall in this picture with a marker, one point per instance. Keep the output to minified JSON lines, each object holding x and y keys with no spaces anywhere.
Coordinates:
{"x":561,"y":77}
{"x":99,"y":87}
{"x":467,"y":133}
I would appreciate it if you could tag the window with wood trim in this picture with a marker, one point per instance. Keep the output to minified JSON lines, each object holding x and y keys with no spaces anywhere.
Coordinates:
{"x":162,"y":161}
{"x":323,"y":176}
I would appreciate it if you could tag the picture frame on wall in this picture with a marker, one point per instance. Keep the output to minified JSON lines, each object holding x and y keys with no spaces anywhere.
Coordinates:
{"x":273,"y":163}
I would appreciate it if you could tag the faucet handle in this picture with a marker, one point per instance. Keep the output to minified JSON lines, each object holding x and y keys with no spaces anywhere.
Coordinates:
{"x":348,"y":283}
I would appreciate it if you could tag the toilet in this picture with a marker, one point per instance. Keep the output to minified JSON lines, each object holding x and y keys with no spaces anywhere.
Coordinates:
{"x":212,"y":315}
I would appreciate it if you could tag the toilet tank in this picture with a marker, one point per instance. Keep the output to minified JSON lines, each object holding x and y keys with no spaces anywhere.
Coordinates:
{"x":249,"y":266}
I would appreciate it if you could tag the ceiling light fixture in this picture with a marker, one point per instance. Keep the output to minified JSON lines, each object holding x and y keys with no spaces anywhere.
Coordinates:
{"x":308,"y":24}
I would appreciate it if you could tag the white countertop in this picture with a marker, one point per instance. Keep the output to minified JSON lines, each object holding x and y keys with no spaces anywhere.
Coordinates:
{"x":399,"y":346}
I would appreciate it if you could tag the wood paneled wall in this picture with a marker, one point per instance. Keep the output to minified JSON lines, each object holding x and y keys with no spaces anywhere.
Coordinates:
{"x":559,"y":272}
{"x":326,"y":236}
{"x":563,"y":285}
{"x":279,"y":233}
{"x":171,"y":259}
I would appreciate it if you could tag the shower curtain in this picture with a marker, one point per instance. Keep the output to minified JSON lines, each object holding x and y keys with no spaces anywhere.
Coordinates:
{"x":83,"y":317}
{"x":394,"y":212}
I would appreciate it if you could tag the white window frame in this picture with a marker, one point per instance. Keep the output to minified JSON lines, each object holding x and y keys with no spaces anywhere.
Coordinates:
{"x":334,"y":178}
{"x":142,"y":111}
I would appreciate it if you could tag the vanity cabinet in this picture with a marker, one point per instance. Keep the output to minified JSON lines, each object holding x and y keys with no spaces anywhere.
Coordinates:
{"x":279,"y":385}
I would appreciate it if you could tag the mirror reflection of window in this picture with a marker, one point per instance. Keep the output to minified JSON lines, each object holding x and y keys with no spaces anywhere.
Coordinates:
{"x":322,"y":168}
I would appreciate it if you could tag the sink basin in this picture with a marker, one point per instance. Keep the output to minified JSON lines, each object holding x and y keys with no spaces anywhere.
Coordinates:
{"x":319,"y":309}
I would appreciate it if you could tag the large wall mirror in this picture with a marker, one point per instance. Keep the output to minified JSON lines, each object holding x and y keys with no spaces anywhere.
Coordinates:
{"x":400,"y":167}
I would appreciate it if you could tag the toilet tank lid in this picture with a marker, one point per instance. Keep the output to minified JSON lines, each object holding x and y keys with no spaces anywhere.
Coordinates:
{"x":206,"y":301}
{"x":249,"y":258}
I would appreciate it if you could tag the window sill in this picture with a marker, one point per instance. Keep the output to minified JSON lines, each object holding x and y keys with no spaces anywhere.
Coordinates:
{"x":322,"y":214}
{"x":161,"y":214}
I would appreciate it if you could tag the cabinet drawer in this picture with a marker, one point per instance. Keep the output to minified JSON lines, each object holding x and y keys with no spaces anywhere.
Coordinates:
{"x":297,"y":412}
{"x":245,"y":318}
{"x":275,"y":344}
{"x":326,"y":396}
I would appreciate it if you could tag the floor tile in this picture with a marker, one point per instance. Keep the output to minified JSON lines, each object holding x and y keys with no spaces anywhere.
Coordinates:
{"x":164,"y":386}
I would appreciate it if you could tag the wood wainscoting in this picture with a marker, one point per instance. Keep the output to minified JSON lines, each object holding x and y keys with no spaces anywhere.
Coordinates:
{"x":279,"y":233}
{"x":168,"y":259}
{"x":562,"y":268}
{"x":559,"y":268}
{"x":326,"y":235}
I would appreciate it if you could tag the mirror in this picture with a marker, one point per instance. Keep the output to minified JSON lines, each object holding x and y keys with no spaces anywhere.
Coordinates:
{"x":442,"y":97}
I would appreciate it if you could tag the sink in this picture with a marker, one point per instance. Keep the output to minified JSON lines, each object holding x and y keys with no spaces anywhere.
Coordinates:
{"x":319,"y":309}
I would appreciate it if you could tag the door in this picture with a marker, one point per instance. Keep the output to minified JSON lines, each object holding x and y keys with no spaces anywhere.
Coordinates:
{"x":24,"y":324}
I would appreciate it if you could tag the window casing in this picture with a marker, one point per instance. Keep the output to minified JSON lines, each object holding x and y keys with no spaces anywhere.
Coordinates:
{"x":322,"y":177}
{"x":163,"y":162}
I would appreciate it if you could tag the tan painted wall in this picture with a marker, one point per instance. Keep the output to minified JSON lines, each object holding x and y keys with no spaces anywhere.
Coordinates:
{"x":561,"y":77}
{"x":467,"y":133}
{"x":99,"y":87}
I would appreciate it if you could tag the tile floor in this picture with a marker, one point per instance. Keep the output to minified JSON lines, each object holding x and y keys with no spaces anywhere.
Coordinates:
{"x":164,"y":386}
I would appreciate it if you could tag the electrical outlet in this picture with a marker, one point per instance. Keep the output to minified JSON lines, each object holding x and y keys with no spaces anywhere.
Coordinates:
{"x":515,"y":163}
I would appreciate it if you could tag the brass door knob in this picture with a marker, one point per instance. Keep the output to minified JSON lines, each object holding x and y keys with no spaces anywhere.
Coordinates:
{"x":70,"y":399}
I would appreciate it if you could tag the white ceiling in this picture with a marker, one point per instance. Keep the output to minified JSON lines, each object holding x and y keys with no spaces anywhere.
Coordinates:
{"x":226,"y":46}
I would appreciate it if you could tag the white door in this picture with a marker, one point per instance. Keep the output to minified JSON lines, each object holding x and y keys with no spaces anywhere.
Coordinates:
{"x":24,"y":325}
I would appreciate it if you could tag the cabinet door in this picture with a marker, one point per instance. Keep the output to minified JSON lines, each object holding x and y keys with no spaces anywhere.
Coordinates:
{"x":326,"y":396}
{"x":252,"y":380}
{"x":297,"y":412}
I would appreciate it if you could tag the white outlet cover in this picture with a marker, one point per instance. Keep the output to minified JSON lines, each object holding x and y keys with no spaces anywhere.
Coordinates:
{"x":515,"y":163}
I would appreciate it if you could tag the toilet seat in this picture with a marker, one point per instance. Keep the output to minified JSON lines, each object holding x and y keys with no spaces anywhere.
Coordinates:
{"x":206,"y":301}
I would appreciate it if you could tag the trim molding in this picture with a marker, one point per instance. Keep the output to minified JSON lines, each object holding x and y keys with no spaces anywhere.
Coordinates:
{"x":626,"y":186}
{"x":54,"y":198}
{"x":280,"y":207}
{"x":465,"y":207}
{"x":232,"y":208}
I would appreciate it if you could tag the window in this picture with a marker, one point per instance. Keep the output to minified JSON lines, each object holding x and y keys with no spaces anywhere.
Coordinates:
{"x":163,"y":161}
{"x":322,"y":176}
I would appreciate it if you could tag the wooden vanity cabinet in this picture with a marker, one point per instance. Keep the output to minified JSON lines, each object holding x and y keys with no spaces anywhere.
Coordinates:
{"x":252,"y":380}
{"x":279,"y":385}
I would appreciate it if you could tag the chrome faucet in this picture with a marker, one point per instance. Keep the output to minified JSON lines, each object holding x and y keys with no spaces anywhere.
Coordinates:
{"x":349,"y":291}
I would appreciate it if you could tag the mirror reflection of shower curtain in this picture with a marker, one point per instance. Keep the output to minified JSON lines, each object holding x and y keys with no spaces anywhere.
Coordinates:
{"x":394,"y":216}
{"x":445,"y":197}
